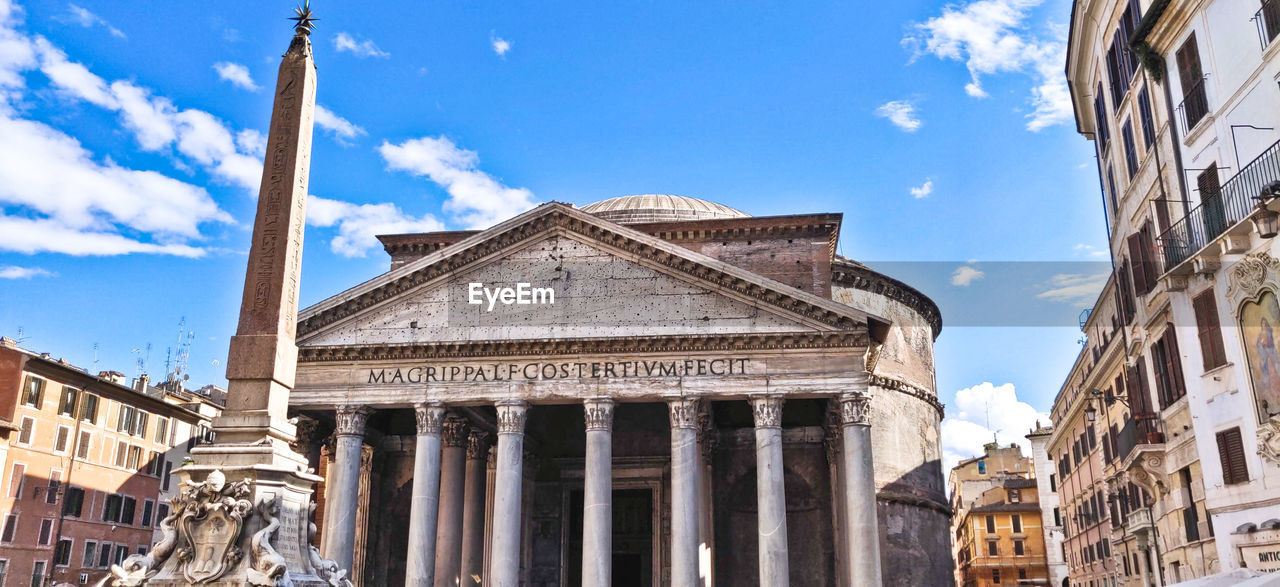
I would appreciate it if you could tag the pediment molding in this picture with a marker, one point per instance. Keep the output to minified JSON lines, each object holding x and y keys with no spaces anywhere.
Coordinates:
{"x":854,"y":340}
{"x":555,"y":218}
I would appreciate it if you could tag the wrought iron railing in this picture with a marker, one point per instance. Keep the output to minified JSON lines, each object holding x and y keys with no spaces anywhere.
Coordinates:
{"x":1267,"y":19}
{"x":1140,"y":429}
{"x":1234,"y":202}
{"x":1194,"y":106}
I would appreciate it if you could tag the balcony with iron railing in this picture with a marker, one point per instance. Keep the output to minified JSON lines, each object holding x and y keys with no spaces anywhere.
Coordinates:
{"x":1267,"y":19}
{"x":1234,"y":203}
{"x":1194,"y":106}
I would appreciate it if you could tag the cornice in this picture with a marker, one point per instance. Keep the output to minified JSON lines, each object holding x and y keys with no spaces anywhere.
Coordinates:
{"x":557,"y":218}
{"x":850,"y":274}
{"x":579,"y":346}
{"x":901,"y":386}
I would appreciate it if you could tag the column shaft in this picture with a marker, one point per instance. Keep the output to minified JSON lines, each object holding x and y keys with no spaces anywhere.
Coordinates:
{"x":473,"y":509}
{"x":423,"y":509}
{"x":771,"y":497}
{"x":340,"y":527}
{"x":597,"y":502}
{"x":684,"y":492}
{"x":453,"y":466}
{"x":863,"y":529}
{"x":505,"y":561}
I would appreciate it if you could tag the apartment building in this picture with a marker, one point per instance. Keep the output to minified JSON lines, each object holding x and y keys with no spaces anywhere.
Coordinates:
{"x":998,"y":538}
{"x":85,"y":462}
{"x":1050,"y":510}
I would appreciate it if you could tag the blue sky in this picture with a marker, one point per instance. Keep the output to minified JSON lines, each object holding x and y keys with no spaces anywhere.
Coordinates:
{"x":131,"y":142}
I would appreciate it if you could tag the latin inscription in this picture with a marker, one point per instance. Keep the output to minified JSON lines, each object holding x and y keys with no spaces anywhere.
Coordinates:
{"x":550,"y":371}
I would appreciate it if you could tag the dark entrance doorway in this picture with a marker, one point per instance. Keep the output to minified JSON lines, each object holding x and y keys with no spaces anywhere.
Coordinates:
{"x":632,"y":538}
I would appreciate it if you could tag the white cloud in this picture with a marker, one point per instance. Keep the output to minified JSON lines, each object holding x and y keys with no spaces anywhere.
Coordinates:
{"x":991,"y":37}
{"x":965,"y":275}
{"x":237,"y":74}
{"x":15,"y":272}
{"x":16,"y":56}
{"x":500,"y":45}
{"x":339,"y":127}
{"x":360,"y":224}
{"x":981,"y":413}
{"x":1074,"y":288}
{"x":923,"y":190}
{"x":366,"y":48}
{"x":24,"y":235}
{"x":475,"y":197}
{"x":1090,"y":251}
{"x":901,"y":113}
{"x":88,"y":19}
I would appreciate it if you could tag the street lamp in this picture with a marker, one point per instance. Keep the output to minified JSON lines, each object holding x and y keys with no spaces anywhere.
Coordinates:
{"x":1091,"y":412}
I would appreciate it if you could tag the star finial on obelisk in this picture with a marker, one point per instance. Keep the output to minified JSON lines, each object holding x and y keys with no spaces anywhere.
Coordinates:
{"x":304,"y":21}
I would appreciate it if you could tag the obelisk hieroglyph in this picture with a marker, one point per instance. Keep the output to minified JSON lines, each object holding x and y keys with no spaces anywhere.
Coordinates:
{"x":243,"y":516}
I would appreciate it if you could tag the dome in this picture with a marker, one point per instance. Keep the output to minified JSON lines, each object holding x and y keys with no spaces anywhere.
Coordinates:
{"x":659,"y":208}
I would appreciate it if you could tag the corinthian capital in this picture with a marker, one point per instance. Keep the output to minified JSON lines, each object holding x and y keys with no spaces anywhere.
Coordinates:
{"x":511,"y":416}
{"x":477,"y":445}
{"x":598,"y":413}
{"x":855,"y":409}
{"x":454,"y":431}
{"x":767,"y":410}
{"x":429,"y":417}
{"x":684,"y":413}
{"x":350,"y":420}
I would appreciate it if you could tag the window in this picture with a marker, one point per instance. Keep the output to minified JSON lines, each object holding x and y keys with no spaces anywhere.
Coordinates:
{"x":1053,"y":482}
{"x":1130,"y":149}
{"x":993,"y":548}
{"x":1210,"y":330}
{"x":111,"y":508}
{"x":1017,"y":523}
{"x":122,"y":552}
{"x":126,"y":418}
{"x":164,"y":480}
{"x":134,"y":461}
{"x":55,"y":483}
{"x":33,"y":392}
{"x":995,"y":576}
{"x":17,"y":480}
{"x":82,"y":447}
{"x":38,"y":573}
{"x":89,"y":408}
{"x":142,"y":549}
{"x":127,"y":511}
{"x":1191,"y":523}
{"x":90,"y":554}
{"x":162,"y":512}
{"x":104,"y":555}
{"x":1167,"y":363}
{"x":1100,"y":115}
{"x":1092,"y":437}
{"x":982,"y":467}
{"x":60,"y":440}
{"x":73,"y":502}
{"x":1018,"y":548}
{"x":46,"y":532}
{"x":1195,"y":104}
{"x":26,"y":431}
{"x":140,"y":425}
{"x":62,"y":553}
{"x":1124,"y":293}
{"x":162,"y":431}
{"x":122,"y":449}
{"x":1144,"y":112}
{"x":1015,"y":496}
{"x":148,"y":509}
{"x":1231,"y":453}
{"x":1057,"y":517}
{"x":67,"y":403}
{"x":991,"y":524}
{"x":1141,"y":252}
{"x":1022,"y":574}
{"x":10,"y":528}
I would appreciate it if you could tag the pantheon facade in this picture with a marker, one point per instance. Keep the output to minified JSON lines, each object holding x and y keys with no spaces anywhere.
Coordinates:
{"x":658,"y":388}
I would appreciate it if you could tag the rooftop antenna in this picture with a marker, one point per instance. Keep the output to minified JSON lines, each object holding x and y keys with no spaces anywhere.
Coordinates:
{"x":95,"y":356}
{"x":21,"y":336}
{"x":176,"y":360}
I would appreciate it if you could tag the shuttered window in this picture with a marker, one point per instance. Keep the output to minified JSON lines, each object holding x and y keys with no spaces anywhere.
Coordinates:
{"x":1209,"y":330}
{"x":1104,"y":125}
{"x":1231,"y":453}
{"x":1168,"y":368}
{"x":1148,"y":123}
{"x":1130,"y":149}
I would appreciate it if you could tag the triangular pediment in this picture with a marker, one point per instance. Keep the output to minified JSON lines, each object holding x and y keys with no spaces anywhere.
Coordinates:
{"x":583,"y":278}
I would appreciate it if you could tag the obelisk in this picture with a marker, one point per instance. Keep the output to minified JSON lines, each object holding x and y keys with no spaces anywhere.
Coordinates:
{"x":244,"y":513}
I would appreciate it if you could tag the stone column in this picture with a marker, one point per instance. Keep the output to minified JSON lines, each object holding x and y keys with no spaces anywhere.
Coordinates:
{"x":771,"y":521}
{"x":473,"y":508}
{"x":426,"y":488}
{"x":340,"y":527}
{"x":833,"y":441}
{"x":706,"y":491}
{"x":684,"y":492}
{"x":862,"y":529}
{"x":597,"y":499}
{"x":504,"y":563}
{"x":453,"y":467}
